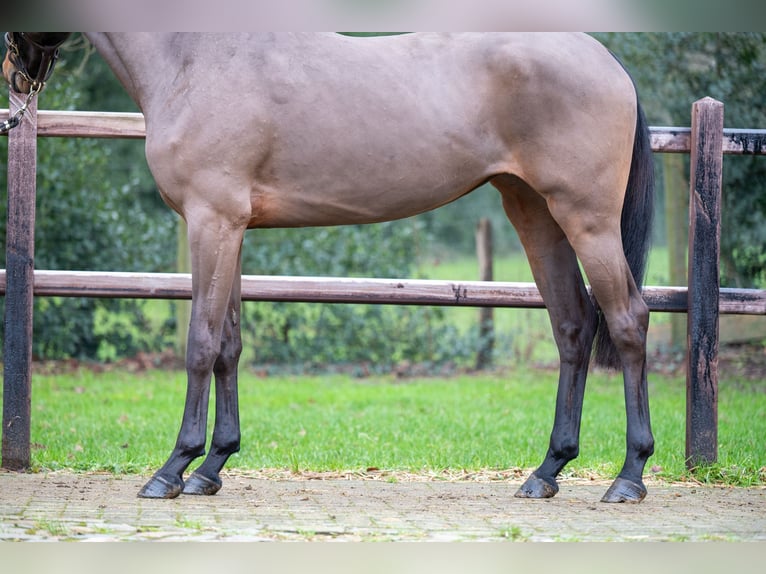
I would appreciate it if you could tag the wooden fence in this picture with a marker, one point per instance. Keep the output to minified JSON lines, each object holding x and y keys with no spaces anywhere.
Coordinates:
{"x":706,"y":141}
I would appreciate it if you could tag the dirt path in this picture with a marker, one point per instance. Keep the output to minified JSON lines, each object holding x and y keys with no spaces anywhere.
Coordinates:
{"x":65,"y":506}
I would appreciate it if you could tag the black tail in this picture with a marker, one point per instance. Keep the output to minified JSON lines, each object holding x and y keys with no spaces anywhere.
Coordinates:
{"x":636,"y":222}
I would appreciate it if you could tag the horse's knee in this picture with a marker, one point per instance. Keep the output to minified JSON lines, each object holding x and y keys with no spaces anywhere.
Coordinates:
{"x":201,"y":354}
{"x":228,"y":358}
{"x":231,"y":350}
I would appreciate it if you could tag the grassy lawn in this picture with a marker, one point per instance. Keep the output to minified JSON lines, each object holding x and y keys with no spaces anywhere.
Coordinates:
{"x":122,"y":422}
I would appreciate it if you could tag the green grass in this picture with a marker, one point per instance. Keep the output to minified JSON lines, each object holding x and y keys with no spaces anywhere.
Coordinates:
{"x":125,"y":423}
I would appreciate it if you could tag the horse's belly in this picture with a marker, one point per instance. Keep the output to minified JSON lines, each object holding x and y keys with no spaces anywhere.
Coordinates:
{"x":369,"y":176}
{"x":319,"y":203}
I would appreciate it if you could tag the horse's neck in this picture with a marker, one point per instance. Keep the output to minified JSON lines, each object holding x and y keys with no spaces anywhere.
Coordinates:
{"x":136,"y":60}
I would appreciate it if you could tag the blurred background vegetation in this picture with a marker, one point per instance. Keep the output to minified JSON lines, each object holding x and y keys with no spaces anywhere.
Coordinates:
{"x":98,"y":209}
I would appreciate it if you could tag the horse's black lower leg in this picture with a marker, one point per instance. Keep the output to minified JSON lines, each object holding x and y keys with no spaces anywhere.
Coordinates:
{"x":225,"y":442}
{"x":574,"y":341}
{"x":573,"y":319}
{"x":168,"y":482}
{"x":226,"y":433}
{"x":630,"y":338}
{"x":564,"y":440}
{"x":627,"y":318}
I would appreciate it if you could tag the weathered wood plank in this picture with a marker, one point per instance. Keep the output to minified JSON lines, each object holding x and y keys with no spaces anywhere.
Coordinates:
{"x":670,"y":139}
{"x":131,"y":125}
{"x":744,"y":142}
{"x":704,"y":283}
{"x":19,"y":253}
{"x":88,"y":124}
{"x":91,"y":125}
{"x":356,"y":290}
{"x":735,"y":141}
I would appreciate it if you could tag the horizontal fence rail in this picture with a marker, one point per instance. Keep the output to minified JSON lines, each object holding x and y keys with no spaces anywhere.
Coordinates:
{"x":132,"y":126}
{"x":111,"y":125}
{"x":508,"y":294}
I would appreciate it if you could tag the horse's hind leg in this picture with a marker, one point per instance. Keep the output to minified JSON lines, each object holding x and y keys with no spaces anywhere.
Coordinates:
{"x":592,"y":224}
{"x":573,"y":319}
{"x":226,"y":433}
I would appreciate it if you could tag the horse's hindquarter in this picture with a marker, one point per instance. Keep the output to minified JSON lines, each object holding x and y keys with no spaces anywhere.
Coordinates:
{"x":567,"y":112}
{"x":330,"y":130}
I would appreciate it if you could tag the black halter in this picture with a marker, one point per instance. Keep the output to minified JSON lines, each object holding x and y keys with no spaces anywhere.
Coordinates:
{"x":48,"y":57}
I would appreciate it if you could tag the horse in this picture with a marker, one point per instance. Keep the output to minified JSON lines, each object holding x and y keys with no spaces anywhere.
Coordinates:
{"x":327,"y":129}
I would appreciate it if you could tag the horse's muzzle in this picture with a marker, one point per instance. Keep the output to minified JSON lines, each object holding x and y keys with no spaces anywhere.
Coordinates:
{"x":16,"y":81}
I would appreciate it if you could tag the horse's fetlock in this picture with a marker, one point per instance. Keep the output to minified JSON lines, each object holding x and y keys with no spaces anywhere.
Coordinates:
{"x":643,"y":445}
{"x":190,"y":449}
{"x":228,"y":447}
{"x":566,"y":449}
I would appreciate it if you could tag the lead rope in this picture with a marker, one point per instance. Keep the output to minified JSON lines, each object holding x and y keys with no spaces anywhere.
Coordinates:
{"x":15,"y":119}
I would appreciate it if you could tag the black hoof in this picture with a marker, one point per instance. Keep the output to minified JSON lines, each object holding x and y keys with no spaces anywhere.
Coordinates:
{"x":536,"y":487}
{"x":199,"y":484}
{"x":624,"y":490}
{"x":159,"y":487}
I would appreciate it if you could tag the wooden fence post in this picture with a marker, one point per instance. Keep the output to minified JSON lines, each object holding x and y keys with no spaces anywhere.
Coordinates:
{"x":704,"y":283}
{"x":486,"y":314}
{"x":19,"y":262}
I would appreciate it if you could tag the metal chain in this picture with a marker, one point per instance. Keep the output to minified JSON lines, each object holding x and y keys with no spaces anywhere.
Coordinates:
{"x":15,"y":120}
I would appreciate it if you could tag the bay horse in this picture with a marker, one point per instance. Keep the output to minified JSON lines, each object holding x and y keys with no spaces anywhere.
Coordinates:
{"x":289,"y":130}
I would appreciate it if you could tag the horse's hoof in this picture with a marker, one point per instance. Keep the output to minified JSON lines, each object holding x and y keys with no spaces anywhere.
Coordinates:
{"x":159,"y":487}
{"x":624,"y":490}
{"x":536,"y":487}
{"x":200,"y":484}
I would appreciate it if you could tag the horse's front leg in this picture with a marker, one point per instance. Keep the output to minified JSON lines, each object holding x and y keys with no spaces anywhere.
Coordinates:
{"x":226,"y":433}
{"x":215,"y":246}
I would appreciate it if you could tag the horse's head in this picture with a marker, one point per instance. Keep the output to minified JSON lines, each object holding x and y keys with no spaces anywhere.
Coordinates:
{"x":30,"y":58}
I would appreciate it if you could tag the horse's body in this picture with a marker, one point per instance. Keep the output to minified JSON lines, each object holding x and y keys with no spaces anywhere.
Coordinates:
{"x":288,"y":130}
